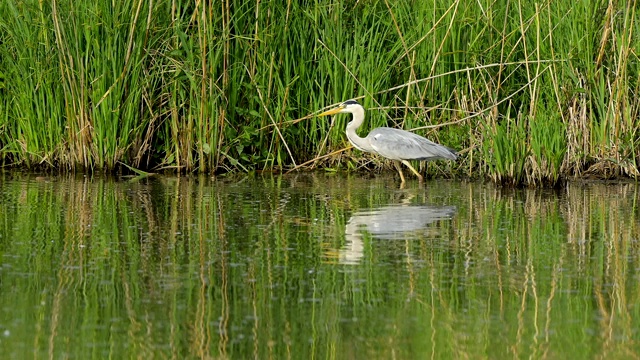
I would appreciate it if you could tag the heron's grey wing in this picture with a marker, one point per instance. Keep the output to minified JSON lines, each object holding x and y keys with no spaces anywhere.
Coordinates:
{"x":399,"y":144}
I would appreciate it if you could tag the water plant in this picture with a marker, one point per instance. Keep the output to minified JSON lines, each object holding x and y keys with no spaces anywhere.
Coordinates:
{"x":215,"y":87}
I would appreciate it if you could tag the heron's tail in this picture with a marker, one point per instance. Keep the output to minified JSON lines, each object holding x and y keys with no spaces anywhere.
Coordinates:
{"x":453,"y":152}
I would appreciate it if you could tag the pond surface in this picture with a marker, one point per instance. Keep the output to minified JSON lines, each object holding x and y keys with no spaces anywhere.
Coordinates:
{"x":316,"y":266}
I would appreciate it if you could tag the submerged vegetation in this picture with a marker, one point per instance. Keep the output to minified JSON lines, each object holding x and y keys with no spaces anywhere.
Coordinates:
{"x":528,"y":92}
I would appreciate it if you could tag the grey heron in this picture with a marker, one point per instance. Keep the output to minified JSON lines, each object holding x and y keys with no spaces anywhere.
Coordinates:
{"x":395,"y":144}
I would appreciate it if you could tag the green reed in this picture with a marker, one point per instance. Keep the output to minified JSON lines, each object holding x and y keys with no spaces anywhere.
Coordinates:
{"x":548,"y":147}
{"x":214,"y":87}
{"x":504,"y":149}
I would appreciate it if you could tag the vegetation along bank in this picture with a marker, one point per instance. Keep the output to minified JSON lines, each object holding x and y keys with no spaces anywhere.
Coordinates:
{"x":528,"y":92}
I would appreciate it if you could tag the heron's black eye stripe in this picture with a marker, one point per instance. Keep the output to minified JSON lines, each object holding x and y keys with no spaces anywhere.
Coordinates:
{"x":350,"y":102}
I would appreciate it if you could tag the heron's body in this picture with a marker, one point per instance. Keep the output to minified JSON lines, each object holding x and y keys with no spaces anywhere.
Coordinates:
{"x":395,"y":144}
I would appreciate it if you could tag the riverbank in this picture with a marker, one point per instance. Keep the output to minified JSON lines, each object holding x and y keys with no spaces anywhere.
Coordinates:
{"x":529,"y":94}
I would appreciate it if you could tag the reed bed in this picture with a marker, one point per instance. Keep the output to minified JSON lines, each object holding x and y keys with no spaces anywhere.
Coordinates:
{"x":530,"y":93}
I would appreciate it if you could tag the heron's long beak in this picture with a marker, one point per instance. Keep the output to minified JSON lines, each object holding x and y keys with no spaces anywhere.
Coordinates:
{"x":332,"y":111}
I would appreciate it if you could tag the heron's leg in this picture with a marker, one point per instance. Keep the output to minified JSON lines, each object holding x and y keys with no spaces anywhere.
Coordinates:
{"x":420,"y":178}
{"x":399,"y":168}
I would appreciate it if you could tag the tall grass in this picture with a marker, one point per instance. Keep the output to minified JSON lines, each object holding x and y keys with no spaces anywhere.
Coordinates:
{"x":222,"y":86}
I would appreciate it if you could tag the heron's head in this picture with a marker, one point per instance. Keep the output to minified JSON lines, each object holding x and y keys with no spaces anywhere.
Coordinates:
{"x":348,"y":106}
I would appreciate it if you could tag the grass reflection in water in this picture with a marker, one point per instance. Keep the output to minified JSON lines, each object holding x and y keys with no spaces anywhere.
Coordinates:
{"x":303,"y":266}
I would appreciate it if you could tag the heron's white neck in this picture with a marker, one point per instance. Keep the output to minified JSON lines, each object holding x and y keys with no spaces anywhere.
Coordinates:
{"x":353,"y":125}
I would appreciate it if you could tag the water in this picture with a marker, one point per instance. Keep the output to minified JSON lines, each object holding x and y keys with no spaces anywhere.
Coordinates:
{"x":314,"y":266}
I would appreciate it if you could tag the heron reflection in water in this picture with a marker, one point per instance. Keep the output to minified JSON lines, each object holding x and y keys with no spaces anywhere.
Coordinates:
{"x":394,"y":222}
{"x":395,"y":144}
